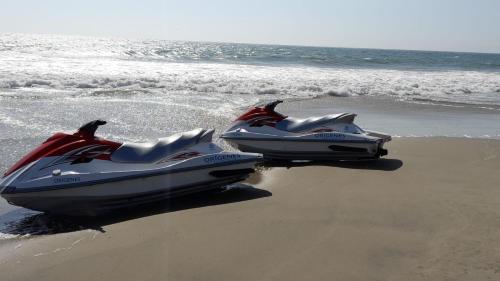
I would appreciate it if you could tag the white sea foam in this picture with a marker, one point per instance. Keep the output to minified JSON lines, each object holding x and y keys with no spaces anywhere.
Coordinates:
{"x":225,"y":81}
{"x":7,"y":236}
{"x":48,"y":83}
{"x":81,"y":66}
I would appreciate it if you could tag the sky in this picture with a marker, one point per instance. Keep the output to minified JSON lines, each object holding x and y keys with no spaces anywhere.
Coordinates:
{"x":448,"y":25}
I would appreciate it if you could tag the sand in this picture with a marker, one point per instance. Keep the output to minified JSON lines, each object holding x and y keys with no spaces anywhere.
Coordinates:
{"x":429,"y":211}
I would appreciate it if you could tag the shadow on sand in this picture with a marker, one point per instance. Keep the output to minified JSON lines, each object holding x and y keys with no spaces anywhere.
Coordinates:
{"x":26,"y":222}
{"x":383,"y":164}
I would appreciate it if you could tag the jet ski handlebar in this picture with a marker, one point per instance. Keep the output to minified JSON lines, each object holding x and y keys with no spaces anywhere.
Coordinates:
{"x":88,"y":129}
{"x":270,"y":106}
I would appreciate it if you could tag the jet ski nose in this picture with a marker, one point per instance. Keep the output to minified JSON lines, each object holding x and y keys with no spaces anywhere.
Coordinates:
{"x":4,"y":190}
{"x":2,"y":185}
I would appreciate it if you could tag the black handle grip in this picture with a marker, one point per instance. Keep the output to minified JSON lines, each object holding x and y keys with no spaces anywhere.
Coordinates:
{"x":89,"y":128}
{"x":270,"y":106}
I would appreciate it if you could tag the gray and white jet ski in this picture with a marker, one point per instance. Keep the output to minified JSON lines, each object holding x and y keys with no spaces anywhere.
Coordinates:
{"x":81,"y":174}
{"x":332,"y":137}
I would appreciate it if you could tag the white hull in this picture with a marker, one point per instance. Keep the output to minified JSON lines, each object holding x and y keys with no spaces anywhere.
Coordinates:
{"x":98,"y":198}
{"x":297,"y":150}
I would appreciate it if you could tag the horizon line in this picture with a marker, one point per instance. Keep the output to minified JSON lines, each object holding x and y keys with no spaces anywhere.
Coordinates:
{"x":254,"y":43}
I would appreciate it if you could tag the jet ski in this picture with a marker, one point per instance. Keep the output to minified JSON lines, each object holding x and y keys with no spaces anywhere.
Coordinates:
{"x":81,"y":174}
{"x":278,"y":137}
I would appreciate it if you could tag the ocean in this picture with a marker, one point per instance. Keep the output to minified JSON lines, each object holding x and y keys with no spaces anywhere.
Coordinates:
{"x":221,"y":75}
{"x":151,"y":88}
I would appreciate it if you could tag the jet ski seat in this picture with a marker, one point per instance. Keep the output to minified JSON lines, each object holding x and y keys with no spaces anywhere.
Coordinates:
{"x":295,"y":125}
{"x":155,"y":151}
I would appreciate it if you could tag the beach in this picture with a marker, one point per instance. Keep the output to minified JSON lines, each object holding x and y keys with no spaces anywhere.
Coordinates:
{"x":428,"y":211}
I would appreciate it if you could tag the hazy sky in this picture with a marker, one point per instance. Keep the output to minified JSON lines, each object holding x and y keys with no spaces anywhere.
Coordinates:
{"x":456,"y":25}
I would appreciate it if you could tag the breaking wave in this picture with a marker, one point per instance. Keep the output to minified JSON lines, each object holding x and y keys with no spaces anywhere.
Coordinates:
{"x":65,"y":67}
{"x":195,"y":79}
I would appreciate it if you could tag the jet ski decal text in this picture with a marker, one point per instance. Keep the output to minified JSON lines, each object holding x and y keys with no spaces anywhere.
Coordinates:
{"x":221,"y":158}
{"x":330,"y":136}
{"x":66,"y":180}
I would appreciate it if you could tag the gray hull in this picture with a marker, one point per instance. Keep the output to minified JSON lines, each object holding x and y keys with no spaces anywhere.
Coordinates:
{"x":93,"y":206}
{"x":297,"y":150}
{"x":95,"y":199}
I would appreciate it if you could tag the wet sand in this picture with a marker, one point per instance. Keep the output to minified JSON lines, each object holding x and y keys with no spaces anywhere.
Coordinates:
{"x":429,"y":211}
{"x":403,"y":118}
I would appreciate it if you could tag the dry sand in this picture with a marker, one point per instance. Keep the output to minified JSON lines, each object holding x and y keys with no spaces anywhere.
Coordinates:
{"x":429,"y":211}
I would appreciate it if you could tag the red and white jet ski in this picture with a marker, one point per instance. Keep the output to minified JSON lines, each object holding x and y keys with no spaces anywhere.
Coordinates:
{"x":80,"y":174}
{"x":332,"y":137}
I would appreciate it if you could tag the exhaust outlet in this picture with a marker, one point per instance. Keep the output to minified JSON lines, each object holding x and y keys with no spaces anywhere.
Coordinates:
{"x":382,"y":152}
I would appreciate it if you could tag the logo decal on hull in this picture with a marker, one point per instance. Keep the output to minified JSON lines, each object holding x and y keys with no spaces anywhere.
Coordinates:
{"x":221,"y":158}
{"x":330,"y":136}
{"x":66,"y":180}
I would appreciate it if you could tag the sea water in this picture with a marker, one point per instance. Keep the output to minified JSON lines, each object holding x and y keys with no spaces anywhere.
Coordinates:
{"x":147,"y":89}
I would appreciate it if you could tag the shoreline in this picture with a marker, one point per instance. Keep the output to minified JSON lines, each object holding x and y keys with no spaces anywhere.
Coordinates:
{"x":427,"y":211}
{"x":402,"y":118}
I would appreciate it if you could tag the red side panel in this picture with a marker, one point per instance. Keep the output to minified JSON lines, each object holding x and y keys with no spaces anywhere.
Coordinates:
{"x":60,"y":144}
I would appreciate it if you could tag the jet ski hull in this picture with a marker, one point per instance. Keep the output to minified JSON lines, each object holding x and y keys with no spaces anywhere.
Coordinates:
{"x":86,"y":198}
{"x":295,"y":149}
